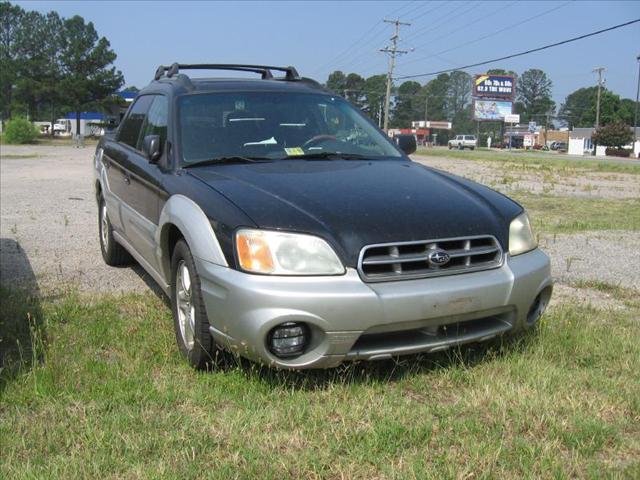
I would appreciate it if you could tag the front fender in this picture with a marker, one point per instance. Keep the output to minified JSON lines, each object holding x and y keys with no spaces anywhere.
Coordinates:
{"x":196,"y":229}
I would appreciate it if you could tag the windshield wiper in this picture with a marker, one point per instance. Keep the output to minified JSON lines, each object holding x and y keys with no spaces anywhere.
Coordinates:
{"x":329,"y":156}
{"x":230,"y":159}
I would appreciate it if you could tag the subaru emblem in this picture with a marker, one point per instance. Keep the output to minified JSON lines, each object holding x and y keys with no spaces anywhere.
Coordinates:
{"x":438,"y":258}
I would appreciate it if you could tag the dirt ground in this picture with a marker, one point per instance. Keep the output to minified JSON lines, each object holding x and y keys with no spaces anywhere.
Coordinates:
{"x":48,"y":225}
{"x":510,"y":177}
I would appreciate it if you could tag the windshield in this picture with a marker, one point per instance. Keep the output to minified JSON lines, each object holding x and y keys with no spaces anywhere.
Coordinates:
{"x":275,"y":125}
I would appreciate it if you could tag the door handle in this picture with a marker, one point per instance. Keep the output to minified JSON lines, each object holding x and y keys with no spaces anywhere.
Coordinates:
{"x":127,"y":179}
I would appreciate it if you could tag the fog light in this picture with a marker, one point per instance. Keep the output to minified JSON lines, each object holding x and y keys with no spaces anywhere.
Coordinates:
{"x":288,"y":339}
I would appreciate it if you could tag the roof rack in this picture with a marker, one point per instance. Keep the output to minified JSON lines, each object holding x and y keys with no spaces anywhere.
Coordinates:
{"x":291,"y":74}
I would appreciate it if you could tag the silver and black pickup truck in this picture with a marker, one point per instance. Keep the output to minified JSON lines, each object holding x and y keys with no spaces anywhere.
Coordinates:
{"x":286,"y":227}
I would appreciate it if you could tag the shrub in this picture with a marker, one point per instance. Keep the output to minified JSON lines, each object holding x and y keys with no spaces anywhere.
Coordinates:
{"x":20,"y":130}
{"x":618,"y":152}
{"x":613,"y":135}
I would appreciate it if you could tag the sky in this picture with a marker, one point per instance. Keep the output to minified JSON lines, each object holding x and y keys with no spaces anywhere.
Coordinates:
{"x":320,"y":37}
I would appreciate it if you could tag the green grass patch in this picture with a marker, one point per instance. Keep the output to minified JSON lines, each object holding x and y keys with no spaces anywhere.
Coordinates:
{"x":111,"y":398}
{"x":558,"y":214}
{"x":18,"y":156}
{"x":22,"y":333}
{"x":525,"y":159}
{"x":64,"y":141}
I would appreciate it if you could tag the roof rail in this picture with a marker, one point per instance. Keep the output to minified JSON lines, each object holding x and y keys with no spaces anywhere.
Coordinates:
{"x":291,"y":74}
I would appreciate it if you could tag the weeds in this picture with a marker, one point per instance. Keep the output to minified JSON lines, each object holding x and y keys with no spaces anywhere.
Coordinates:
{"x":113,"y":398}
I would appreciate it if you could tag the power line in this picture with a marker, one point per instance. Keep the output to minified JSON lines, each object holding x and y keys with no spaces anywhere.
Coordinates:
{"x":489,"y":35}
{"x":414,"y":10}
{"x":429,"y":28}
{"x":341,"y":57}
{"x":369,"y":63}
{"x":526,"y":52}
{"x":397,"y":10}
{"x":472,"y":22}
{"x":345,"y":53}
{"x":366,"y":60}
{"x":424,"y":13}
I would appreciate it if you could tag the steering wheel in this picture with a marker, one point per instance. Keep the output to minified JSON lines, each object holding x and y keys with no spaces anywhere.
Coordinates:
{"x":318,"y":139}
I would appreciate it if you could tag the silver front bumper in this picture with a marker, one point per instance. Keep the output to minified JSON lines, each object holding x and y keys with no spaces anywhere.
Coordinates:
{"x":351,"y":319}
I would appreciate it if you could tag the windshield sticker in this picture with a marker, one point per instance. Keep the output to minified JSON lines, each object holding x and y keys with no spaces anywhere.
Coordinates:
{"x":292,"y":152}
{"x":268,"y":141}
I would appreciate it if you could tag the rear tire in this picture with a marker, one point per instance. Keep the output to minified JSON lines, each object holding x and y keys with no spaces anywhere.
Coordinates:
{"x":113,"y":253}
{"x":189,"y":314}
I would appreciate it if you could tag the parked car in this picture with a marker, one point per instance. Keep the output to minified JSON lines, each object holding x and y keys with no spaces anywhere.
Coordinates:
{"x":559,"y":146}
{"x":463,"y":141}
{"x":286,"y":227}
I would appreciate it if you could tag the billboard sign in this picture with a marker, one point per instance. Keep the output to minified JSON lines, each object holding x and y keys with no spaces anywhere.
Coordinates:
{"x":431,"y":124}
{"x":512,"y":118}
{"x":491,"y":109}
{"x":494,"y":86}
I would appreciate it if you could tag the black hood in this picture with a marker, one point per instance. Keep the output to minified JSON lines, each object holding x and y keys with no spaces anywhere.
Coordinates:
{"x":353,"y":203}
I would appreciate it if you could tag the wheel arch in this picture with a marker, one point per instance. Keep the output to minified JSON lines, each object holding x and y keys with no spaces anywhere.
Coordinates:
{"x":182,"y":218}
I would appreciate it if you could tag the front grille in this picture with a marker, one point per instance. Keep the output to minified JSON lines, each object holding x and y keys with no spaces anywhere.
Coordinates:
{"x":408,"y":260}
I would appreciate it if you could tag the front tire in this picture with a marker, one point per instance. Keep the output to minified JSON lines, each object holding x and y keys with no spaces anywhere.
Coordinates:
{"x":189,"y":314}
{"x":113,"y":253}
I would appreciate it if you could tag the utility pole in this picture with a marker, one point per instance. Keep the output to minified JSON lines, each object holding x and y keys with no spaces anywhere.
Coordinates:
{"x":635,"y":118}
{"x":393,"y":52}
{"x":426,"y":116}
{"x":546,"y":126}
{"x":599,"y":71}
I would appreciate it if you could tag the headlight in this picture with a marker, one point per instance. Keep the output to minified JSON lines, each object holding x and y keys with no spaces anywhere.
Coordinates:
{"x":279,"y":253}
{"x":521,"y":239}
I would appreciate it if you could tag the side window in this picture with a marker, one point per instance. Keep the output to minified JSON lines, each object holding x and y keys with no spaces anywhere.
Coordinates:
{"x":156,"y":121}
{"x":130,"y":129}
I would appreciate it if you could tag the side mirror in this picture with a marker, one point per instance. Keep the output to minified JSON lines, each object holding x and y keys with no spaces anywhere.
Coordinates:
{"x":407,"y":143}
{"x":152,"y":148}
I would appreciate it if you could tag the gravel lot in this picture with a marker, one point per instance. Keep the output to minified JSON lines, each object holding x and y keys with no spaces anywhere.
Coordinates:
{"x":48,"y":226}
{"x":48,"y":223}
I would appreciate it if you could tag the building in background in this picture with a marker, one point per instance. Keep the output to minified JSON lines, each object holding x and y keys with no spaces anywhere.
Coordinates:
{"x":580,"y":142}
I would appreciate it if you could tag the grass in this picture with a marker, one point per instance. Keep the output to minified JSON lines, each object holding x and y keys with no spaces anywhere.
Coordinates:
{"x":53,"y":141}
{"x":560,"y":214}
{"x":111,"y":398}
{"x":18,"y":156}
{"x":536,"y":159}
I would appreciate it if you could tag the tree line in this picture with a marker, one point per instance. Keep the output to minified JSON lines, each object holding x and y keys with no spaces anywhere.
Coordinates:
{"x":50,"y":65}
{"x":447,"y":97}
